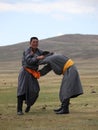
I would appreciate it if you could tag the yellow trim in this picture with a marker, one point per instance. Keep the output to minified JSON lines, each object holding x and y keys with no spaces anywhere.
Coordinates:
{"x":67,"y":65}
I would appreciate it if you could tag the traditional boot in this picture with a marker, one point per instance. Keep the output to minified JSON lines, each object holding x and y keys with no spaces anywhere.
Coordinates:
{"x":27,"y":109}
{"x":56,"y":110}
{"x":19,"y":105}
{"x":34,"y":98}
{"x":65,"y":107}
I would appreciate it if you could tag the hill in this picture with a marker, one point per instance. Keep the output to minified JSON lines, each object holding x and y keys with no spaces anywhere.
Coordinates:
{"x":75,"y":46}
{"x":83,"y":110}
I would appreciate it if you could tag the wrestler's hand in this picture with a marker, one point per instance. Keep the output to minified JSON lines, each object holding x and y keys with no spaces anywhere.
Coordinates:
{"x":40,"y":57}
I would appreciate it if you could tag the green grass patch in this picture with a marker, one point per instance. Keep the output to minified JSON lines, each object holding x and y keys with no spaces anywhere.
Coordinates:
{"x":83,"y":112}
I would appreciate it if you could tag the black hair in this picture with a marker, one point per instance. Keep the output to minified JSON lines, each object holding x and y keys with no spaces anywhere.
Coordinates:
{"x":33,"y":38}
{"x":47,"y":53}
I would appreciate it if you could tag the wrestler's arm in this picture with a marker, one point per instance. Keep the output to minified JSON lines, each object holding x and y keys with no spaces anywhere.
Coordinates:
{"x":46,"y":69}
{"x":31,"y":58}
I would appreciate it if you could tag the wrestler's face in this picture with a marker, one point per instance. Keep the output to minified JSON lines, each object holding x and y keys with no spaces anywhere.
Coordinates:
{"x":34,"y":43}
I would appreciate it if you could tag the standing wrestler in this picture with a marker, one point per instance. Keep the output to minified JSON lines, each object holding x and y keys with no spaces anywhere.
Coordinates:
{"x":28,"y":86}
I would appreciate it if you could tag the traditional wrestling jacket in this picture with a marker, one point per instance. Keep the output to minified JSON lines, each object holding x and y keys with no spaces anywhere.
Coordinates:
{"x":54,"y":62}
{"x":29,"y":60}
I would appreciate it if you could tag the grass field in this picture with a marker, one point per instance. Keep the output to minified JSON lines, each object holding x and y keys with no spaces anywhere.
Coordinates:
{"x":83,"y":109}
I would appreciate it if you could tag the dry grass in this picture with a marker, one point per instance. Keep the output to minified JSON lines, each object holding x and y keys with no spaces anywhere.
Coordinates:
{"x":83,"y":109}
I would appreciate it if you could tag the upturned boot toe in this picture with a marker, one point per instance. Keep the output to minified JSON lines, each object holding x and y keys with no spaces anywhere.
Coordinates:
{"x":57,"y":110}
{"x":62,"y":111}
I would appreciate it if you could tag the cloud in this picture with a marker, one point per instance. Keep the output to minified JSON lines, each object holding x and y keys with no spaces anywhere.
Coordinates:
{"x":54,"y":7}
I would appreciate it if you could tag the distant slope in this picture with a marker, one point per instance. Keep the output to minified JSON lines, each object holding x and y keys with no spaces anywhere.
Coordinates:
{"x":74,"y":46}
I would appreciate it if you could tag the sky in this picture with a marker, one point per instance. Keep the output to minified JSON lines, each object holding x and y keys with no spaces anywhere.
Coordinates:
{"x":22,"y":19}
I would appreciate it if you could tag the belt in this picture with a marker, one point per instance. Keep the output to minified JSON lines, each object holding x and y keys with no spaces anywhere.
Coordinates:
{"x":36,"y":74}
{"x":67,"y":65}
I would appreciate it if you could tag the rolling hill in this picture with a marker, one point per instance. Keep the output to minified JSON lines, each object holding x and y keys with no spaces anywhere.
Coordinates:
{"x":84,"y":110}
{"x":75,"y":46}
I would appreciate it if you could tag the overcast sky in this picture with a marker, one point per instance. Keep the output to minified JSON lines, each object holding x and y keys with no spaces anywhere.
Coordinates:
{"x":22,"y":19}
